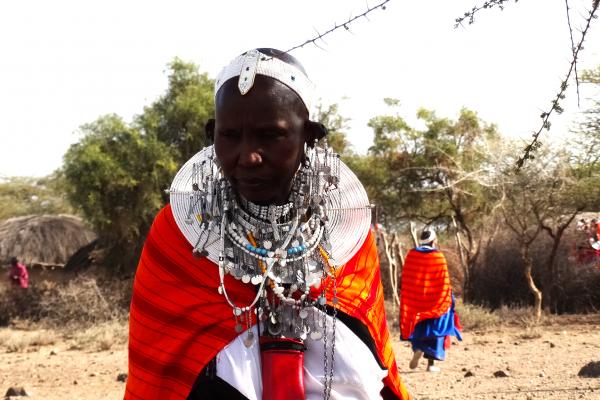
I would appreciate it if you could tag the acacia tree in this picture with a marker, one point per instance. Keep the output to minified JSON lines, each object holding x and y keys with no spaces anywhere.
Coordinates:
{"x":179,"y":116}
{"x":116,"y":176}
{"x":543,"y":196}
{"x":441,"y":172}
{"x":117,"y":173}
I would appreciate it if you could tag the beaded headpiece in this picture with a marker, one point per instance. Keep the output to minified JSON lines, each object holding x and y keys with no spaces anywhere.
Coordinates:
{"x":253,"y":62}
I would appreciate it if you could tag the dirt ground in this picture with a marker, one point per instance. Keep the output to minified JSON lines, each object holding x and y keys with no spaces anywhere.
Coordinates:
{"x":541,"y":363}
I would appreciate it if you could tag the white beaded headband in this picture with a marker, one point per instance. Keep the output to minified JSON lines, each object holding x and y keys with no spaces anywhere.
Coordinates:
{"x":253,"y":62}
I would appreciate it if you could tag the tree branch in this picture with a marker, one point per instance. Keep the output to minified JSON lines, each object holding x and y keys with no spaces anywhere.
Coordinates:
{"x":336,"y":27}
{"x":555,"y":106}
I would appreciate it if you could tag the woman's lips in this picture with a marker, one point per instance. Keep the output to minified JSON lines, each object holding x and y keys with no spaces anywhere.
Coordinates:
{"x":252,"y":183}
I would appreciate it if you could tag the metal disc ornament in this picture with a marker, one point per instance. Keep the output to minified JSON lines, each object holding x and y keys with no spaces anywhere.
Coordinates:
{"x":347,"y":208}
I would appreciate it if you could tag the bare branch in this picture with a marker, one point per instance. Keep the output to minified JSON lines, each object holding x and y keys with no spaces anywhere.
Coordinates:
{"x":573,"y":50}
{"x":336,"y":26}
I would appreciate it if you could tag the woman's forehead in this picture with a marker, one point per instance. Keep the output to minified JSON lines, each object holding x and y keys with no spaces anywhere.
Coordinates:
{"x":267,"y":96}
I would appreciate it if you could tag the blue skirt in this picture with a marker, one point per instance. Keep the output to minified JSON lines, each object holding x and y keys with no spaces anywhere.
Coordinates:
{"x":429,"y":335}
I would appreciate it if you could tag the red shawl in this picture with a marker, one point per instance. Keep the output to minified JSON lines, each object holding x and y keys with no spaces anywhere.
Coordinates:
{"x":425,"y":289}
{"x":178,"y":321}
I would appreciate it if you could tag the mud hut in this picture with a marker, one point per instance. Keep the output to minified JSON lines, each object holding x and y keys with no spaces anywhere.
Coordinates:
{"x":43,"y":240}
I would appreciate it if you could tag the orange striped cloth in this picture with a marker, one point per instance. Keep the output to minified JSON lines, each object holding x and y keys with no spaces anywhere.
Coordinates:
{"x":178,"y":321}
{"x":425,"y":290}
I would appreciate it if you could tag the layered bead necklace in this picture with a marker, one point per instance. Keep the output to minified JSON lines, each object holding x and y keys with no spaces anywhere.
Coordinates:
{"x":284,"y":251}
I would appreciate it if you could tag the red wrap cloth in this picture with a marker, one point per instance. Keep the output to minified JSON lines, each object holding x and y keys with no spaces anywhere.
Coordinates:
{"x":425,"y":290}
{"x":179,"y":322}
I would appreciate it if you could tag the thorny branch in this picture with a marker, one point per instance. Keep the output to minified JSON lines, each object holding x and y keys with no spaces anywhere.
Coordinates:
{"x":470,"y":15}
{"x":572,"y":47}
{"x":555,"y":105}
{"x":336,"y":26}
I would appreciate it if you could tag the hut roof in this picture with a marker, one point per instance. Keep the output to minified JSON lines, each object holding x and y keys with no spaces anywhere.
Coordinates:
{"x":43,"y":239}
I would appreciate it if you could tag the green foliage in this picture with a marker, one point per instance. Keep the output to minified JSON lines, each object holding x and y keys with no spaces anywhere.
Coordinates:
{"x":430,"y":173}
{"x":25,"y":196}
{"x":117,"y":173}
{"x":116,"y":177}
{"x":178,"y":117}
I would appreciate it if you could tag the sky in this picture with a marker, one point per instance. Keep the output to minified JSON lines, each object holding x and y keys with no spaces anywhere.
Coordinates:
{"x":65,"y":63}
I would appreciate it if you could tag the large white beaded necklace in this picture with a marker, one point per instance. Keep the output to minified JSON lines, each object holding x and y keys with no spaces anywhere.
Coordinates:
{"x":285,"y":248}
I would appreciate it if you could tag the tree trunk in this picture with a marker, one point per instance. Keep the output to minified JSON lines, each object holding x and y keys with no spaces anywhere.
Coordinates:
{"x":392,"y":265}
{"x":537,"y":294}
{"x":463,"y":263}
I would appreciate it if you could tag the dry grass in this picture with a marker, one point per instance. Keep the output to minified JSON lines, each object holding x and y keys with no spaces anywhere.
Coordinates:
{"x":83,"y":301}
{"x":99,"y":337}
{"x":530,"y":333}
{"x":102,"y":337}
{"x":474,"y":317}
{"x":19,"y":340}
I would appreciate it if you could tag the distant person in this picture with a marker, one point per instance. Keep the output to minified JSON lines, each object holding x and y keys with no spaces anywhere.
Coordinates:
{"x":595,"y":229}
{"x":427,"y":317}
{"x":18,"y":274}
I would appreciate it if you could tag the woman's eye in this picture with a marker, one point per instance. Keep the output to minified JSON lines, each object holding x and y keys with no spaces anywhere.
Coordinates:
{"x":274,"y":134}
{"x":229,"y":134}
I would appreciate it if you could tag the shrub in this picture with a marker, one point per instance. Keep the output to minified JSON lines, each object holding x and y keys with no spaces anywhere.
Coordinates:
{"x":83,"y":301}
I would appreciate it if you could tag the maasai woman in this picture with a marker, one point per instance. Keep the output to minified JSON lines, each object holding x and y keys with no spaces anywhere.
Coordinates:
{"x":427,"y":316}
{"x":261,"y":279}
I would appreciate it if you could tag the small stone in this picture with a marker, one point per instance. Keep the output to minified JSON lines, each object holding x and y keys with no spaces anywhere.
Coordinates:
{"x":53,"y":353}
{"x":122,"y":377}
{"x":590,"y":370}
{"x":93,"y":374}
{"x":74,"y":382}
{"x":469,"y":374}
{"x":501,"y":374}
{"x":552,"y":345}
{"x":542,"y":374}
{"x":16,"y":391}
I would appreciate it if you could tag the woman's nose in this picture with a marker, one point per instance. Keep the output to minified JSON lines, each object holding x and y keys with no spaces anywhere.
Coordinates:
{"x":250,"y":155}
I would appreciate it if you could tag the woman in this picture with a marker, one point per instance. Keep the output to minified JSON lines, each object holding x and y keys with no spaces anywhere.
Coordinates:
{"x":427,"y":316}
{"x":261,"y":279}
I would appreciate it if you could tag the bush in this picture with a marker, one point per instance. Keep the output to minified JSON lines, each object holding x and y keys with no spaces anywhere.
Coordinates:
{"x":498,"y":279}
{"x":83,"y":301}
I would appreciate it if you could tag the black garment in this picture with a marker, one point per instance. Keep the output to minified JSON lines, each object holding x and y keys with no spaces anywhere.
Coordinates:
{"x":209,"y":386}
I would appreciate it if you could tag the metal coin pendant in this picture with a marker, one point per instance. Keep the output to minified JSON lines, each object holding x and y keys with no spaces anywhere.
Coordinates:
{"x":274,"y":328}
{"x":316,"y":335}
{"x":246,"y":278}
{"x":249,"y":341}
{"x":267,"y":244}
{"x":303,"y":313}
{"x":256,"y":280}
{"x":322,"y":300}
{"x":238,"y":328}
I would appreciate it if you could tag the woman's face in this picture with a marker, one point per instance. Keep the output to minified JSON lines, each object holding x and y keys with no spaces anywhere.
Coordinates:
{"x":259,"y":138}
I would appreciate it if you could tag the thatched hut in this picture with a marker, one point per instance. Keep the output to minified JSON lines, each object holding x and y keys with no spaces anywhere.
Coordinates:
{"x":43,"y":240}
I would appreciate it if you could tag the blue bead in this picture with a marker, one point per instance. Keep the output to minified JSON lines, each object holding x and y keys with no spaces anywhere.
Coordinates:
{"x":263,"y":252}
{"x":290,"y":251}
{"x":249,"y":247}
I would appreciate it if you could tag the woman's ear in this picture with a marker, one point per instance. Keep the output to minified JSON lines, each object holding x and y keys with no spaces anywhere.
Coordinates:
{"x":209,"y":130}
{"x":315,"y":132}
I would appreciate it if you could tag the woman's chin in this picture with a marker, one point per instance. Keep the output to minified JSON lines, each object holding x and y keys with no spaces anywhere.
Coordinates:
{"x":262,"y":197}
